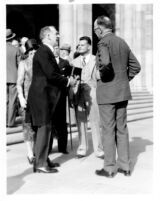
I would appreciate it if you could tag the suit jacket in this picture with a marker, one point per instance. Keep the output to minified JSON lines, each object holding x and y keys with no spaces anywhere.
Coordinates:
{"x":12,"y":63}
{"x":45,"y":88}
{"x":91,"y":65}
{"x":63,"y":64}
{"x":114,"y":50}
{"x":60,"y":114}
{"x":84,"y":91}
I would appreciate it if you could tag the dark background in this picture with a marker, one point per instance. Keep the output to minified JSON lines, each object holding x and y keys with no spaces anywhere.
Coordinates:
{"x":27,"y":20}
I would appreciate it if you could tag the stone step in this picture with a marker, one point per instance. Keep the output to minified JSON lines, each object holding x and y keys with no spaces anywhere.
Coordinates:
{"x":142,"y":101}
{"x":136,"y":106}
{"x":16,"y":129}
{"x":142,"y":97}
{"x":18,"y":137}
{"x":137,"y":117}
{"x":141,"y":107}
{"x":141,"y":92}
{"x":140,"y":111}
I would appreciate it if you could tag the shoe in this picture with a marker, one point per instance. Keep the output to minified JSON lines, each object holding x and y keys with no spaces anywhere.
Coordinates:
{"x":102,"y":157}
{"x":102,"y":172}
{"x":125,"y":172}
{"x":53,"y":165}
{"x":45,"y":170}
{"x":80,"y":156}
{"x":31,"y":160}
{"x":64,"y":152}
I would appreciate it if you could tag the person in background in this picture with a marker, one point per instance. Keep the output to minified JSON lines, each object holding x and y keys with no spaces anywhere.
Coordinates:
{"x":59,"y":118}
{"x":22,"y":44}
{"x":22,"y":47}
{"x":65,"y":50}
{"x":23,"y":84}
{"x":43,"y":97}
{"x":117,"y":65}
{"x":15,"y":43}
{"x":86,"y":104}
{"x":12,"y":60}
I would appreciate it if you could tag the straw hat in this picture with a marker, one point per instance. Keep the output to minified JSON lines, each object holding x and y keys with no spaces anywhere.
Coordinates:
{"x":9,"y":34}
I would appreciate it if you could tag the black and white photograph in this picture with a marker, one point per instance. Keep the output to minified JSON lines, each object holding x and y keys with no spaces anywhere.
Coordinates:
{"x":80,"y":95}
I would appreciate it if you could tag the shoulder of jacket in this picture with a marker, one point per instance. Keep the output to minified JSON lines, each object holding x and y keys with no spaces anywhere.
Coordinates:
{"x":76,"y":60}
{"x":93,"y":56}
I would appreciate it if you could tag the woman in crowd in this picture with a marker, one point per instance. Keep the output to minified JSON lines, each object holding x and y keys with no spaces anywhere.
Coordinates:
{"x":23,"y":84}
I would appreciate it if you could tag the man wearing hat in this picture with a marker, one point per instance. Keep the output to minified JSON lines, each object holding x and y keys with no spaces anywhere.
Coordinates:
{"x":12,"y":55}
{"x":65,"y":51}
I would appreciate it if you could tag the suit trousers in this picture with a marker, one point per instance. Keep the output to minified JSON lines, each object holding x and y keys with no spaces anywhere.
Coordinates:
{"x":41,"y":146}
{"x":11,"y":103}
{"x":88,"y":107}
{"x":115,"y":135}
{"x":59,"y":124}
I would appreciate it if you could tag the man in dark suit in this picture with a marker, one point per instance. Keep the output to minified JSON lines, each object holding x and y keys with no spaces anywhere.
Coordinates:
{"x":43,"y":96}
{"x":59,"y":118}
{"x":117,"y":66}
{"x":12,"y":57}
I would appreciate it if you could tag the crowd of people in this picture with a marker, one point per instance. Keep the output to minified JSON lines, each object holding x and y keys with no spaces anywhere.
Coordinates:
{"x":42,"y":77}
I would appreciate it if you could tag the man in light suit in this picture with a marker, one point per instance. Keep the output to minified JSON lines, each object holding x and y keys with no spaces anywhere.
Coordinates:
{"x":12,"y":55}
{"x":117,"y":66}
{"x":86,"y":104}
{"x":43,"y":96}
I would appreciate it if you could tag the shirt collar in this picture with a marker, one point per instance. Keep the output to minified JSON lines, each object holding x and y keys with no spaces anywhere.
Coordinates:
{"x":87,"y":57}
{"x":106,"y":32}
{"x":57,"y":59}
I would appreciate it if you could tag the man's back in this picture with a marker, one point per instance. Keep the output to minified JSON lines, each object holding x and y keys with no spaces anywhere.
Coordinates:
{"x":11,"y":63}
{"x":124,"y":65}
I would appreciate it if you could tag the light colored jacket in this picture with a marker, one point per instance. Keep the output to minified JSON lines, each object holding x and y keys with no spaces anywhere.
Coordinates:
{"x":91,"y":65}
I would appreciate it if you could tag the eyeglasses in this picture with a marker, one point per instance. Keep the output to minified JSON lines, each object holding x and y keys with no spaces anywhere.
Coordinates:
{"x":57,"y":34}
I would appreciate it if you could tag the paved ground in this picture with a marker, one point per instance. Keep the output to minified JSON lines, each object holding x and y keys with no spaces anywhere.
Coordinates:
{"x":76,"y":176}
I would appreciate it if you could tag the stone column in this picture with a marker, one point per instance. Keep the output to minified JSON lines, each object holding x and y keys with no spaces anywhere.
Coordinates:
{"x":66,"y":23}
{"x":130,"y":26}
{"x":75,"y":20}
{"x":148,"y":46}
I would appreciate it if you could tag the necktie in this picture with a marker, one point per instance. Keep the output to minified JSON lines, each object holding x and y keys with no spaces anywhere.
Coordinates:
{"x":84,"y":61}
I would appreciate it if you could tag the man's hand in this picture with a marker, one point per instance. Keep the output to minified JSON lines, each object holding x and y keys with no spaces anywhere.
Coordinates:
{"x":22,"y":101}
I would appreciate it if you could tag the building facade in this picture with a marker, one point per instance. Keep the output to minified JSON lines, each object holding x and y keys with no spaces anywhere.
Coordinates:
{"x":133,"y":22}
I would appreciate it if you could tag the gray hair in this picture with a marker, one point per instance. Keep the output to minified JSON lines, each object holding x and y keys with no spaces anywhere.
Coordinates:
{"x":44,"y":31}
{"x":104,"y":21}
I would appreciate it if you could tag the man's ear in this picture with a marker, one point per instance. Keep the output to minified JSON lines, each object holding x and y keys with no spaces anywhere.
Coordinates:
{"x":48,"y":36}
{"x":89,"y":47}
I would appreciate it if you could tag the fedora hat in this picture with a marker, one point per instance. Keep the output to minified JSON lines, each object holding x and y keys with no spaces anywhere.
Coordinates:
{"x":66,"y":47}
{"x":9,"y":34}
{"x":31,"y":44}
